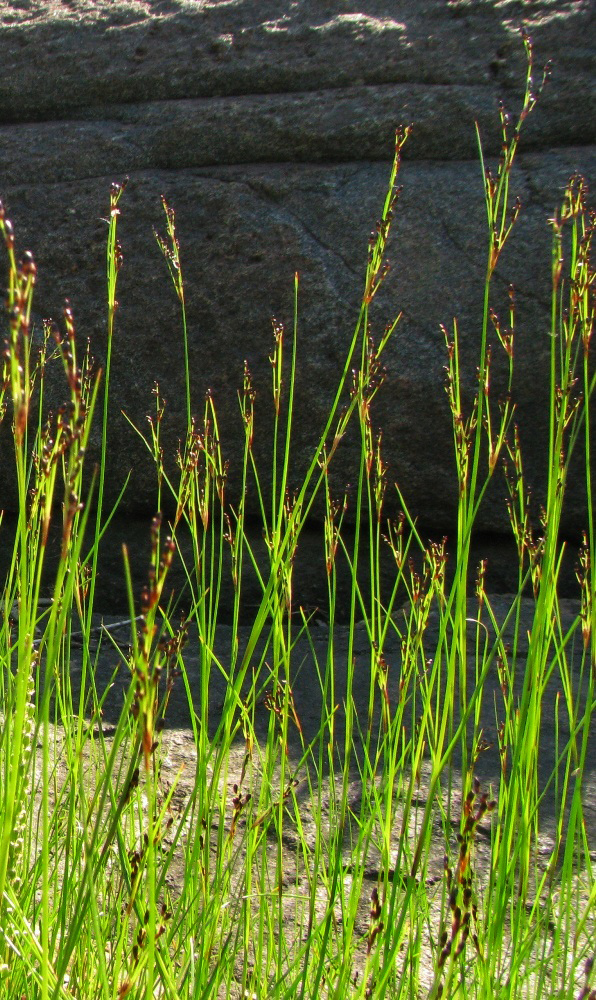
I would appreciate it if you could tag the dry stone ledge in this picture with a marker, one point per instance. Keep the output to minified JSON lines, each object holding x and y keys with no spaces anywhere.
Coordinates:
{"x":269,"y":127}
{"x":61,"y":56}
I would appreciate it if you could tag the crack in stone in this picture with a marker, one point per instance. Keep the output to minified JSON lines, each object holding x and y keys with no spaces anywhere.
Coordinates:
{"x":289,"y":214}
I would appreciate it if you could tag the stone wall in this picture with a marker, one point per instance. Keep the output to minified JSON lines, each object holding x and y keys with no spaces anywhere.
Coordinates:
{"x":269,"y":128}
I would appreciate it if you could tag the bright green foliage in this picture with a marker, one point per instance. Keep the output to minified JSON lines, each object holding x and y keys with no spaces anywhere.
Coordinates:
{"x":273,"y":879}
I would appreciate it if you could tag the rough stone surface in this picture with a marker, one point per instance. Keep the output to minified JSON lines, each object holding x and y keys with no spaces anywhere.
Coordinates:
{"x":61,"y":57}
{"x":269,"y":128}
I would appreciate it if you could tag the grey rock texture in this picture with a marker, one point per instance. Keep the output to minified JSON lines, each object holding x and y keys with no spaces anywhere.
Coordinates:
{"x":269,"y":128}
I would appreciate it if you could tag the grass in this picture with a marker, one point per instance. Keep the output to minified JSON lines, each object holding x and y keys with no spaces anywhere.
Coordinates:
{"x":339,"y":825}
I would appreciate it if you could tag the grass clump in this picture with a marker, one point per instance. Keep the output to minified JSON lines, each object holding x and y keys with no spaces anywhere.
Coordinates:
{"x":327,"y":828}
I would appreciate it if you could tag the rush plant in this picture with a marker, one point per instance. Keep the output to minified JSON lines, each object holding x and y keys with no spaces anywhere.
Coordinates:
{"x":359,"y":854}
